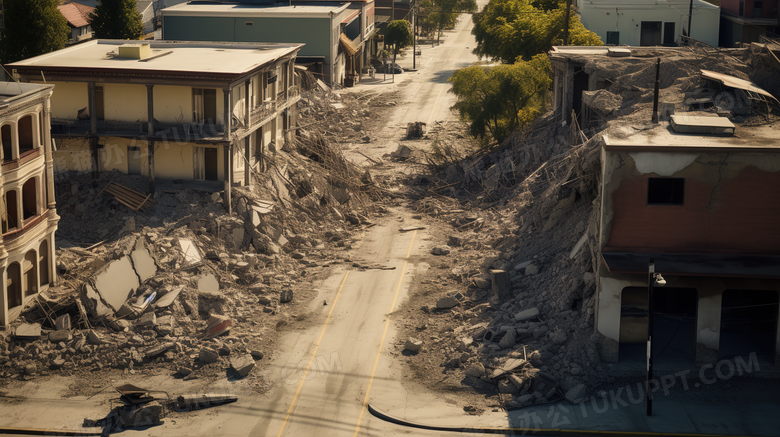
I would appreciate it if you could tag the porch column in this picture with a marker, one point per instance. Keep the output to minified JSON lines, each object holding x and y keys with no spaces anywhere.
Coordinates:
{"x":708,"y":322}
{"x":248,"y":160}
{"x":227,"y":113}
{"x":49,"y":159}
{"x":150,"y":132}
{"x":246,"y":104}
{"x":52,"y":260}
{"x":228,"y":176}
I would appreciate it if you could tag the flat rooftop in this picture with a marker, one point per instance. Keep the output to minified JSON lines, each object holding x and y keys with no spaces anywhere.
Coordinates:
{"x":166,"y":56}
{"x":10,"y":91}
{"x":310,"y":9}
{"x":663,"y":138}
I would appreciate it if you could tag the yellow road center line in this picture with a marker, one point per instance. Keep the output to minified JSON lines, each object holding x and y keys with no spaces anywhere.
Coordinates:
{"x":313,"y":354}
{"x":384,"y":334}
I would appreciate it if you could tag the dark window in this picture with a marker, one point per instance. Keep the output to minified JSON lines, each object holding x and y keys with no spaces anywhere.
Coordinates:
{"x":613,"y":38}
{"x":758,"y":9}
{"x":665,"y":191}
{"x":741,"y":8}
{"x":100,"y":111}
{"x":651,"y":33}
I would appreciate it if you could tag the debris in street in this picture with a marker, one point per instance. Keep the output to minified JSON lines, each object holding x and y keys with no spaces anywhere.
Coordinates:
{"x":28,"y":331}
{"x":415,"y":130}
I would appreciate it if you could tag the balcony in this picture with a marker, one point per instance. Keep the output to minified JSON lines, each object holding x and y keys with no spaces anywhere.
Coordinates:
{"x":175,"y":131}
{"x":27,"y":225}
{"x":24,"y":158}
{"x":267,"y":110}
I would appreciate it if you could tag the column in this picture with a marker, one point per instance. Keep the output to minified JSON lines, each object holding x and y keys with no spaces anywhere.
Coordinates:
{"x":227,"y":147}
{"x":226,"y":116}
{"x":248,"y":161}
{"x":92,"y":109}
{"x":52,"y":260}
{"x":246,"y":105}
{"x":48,"y":157}
{"x":708,"y":322}
{"x":150,"y":148}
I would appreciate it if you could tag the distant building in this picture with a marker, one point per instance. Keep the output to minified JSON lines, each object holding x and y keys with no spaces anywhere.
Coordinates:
{"x":649,"y":22}
{"x":205,"y":112}
{"x":334,"y":33}
{"x":744,"y":22}
{"x":27,"y":214}
{"x":146,"y":9}
{"x":77,"y":15}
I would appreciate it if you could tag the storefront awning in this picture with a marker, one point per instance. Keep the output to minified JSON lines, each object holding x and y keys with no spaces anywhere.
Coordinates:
{"x":349,"y":47}
{"x":694,"y":264}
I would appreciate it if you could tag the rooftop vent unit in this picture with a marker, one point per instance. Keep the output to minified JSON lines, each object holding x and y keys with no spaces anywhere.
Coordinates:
{"x":134,"y":51}
{"x":686,"y":124}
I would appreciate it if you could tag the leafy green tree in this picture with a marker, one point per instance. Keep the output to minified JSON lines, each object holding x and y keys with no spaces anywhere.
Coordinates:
{"x":117,"y":19}
{"x":509,"y":29}
{"x":32,"y":28}
{"x":398,"y":35}
{"x":443,"y":14}
{"x":499,"y":100}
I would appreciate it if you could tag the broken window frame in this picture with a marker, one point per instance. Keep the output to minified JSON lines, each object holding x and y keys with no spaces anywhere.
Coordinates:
{"x":677,"y":191}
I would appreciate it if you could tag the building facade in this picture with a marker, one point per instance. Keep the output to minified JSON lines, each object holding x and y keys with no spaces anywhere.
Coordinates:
{"x":649,"y":23}
{"x":704,"y":206}
{"x":333,"y":33}
{"x":28,"y":214}
{"x":169,"y":111}
{"x":746,"y":21}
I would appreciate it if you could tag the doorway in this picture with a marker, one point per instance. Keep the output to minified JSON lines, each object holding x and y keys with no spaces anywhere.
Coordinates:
{"x":674,"y":324}
{"x":651,"y":33}
{"x":748,"y":324}
{"x":206,"y":163}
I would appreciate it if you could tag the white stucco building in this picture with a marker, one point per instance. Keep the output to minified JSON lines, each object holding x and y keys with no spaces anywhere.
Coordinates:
{"x":649,"y":22}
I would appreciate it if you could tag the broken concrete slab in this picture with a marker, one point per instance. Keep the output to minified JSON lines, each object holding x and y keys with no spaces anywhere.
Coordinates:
{"x":446,"y":303}
{"x":143,"y":262}
{"x":402,"y":153}
{"x":28,"y":331}
{"x":191,"y":252}
{"x":208,"y":283}
{"x":527,"y":314}
{"x":145,"y":415}
{"x":242,"y":364}
{"x":500,"y":281}
{"x":159,"y":350}
{"x":147,"y":320}
{"x":107,"y":290}
{"x":58,"y":336}
{"x":62,"y":323}
{"x":94,"y":338}
{"x":168,"y":298}
{"x":413,"y":345}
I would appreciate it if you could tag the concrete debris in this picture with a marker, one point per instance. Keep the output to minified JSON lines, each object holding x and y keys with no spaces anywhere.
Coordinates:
{"x":208,"y":355}
{"x":577,"y":394}
{"x":531,"y":270}
{"x":190,"y":251}
{"x":441,"y":250}
{"x":58,"y":336}
{"x":413,"y":345}
{"x":149,"y":414}
{"x":415,"y":130}
{"x":446,"y":303}
{"x":208,"y":283}
{"x":168,"y":298}
{"x":28,"y":331}
{"x":402,"y":153}
{"x":243,"y":364}
{"x":257,"y":355}
{"x":508,"y":340}
{"x":94,"y":338}
{"x":476,"y":370}
{"x":62,"y":323}
{"x":527,"y":314}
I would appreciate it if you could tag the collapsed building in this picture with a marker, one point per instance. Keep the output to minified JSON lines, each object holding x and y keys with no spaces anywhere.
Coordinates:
{"x":575,"y":206}
{"x":29,"y":216}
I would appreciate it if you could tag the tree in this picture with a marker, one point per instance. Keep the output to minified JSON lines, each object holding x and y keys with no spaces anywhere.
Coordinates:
{"x":443,"y":14}
{"x":398,"y":35}
{"x":509,"y":29}
{"x":117,"y":19}
{"x":499,"y":100}
{"x":32,"y":28}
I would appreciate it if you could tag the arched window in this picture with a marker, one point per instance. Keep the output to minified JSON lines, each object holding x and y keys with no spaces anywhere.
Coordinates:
{"x":26,"y":142}
{"x":5,"y":137}
{"x":43,"y":262}
{"x":30,"y":273}
{"x":14,"y":285}
{"x":30,"y":198}
{"x":10,"y":211}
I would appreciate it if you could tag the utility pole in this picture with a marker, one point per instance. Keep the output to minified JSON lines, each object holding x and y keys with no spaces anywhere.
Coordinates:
{"x":414,"y":35}
{"x":566,"y":26}
{"x":690,"y":17}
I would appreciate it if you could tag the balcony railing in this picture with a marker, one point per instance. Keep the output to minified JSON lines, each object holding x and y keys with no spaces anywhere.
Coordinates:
{"x":27,"y":225}
{"x":24,"y":158}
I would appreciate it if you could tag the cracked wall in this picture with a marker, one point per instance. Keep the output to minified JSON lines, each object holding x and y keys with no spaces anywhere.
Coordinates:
{"x":731,"y":202}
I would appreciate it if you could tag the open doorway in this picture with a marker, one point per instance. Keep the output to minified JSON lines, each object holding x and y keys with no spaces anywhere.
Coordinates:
{"x":206,"y":163}
{"x":30,"y":198}
{"x":581,"y":79}
{"x":30,"y":273}
{"x":674,"y":324}
{"x":748,"y":324}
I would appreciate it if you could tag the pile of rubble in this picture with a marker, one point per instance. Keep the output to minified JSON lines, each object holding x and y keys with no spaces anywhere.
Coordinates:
{"x":519,"y":323}
{"x":182,"y":285}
